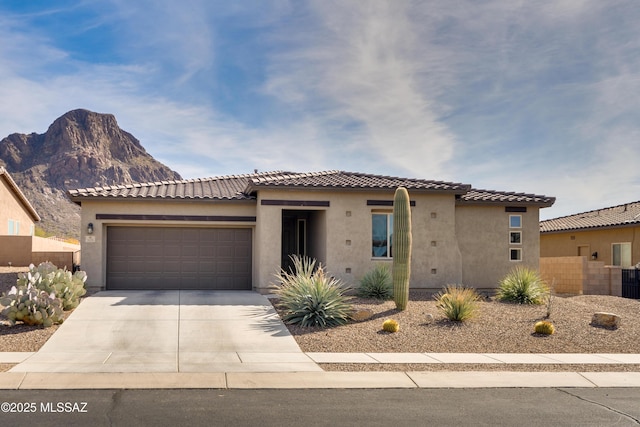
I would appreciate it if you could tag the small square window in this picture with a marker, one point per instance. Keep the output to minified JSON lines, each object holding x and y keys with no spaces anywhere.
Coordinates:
{"x":515,"y":221}
{"x":515,"y":237}
{"x":515,"y":254}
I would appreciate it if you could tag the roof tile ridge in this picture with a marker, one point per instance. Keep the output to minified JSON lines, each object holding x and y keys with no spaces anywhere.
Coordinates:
{"x":394,"y":177}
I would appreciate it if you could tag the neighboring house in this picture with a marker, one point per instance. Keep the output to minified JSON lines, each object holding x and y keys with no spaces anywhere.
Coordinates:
{"x":17,"y":216}
{"x":611,"y":235}
{"x":18,"y":245}
{"x":236,"y":232}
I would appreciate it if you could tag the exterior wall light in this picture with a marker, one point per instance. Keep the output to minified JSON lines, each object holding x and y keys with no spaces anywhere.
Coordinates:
{"x":90,"y":228}
{"x":594,"y":255}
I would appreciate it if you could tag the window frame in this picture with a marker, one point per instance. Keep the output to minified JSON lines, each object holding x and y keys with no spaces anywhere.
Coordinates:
{"x":511,"y":234}
{"x":515,"y":250}
{"x":620,"y":244}
{"x":389,"y":237}
{"x":519,"y":217}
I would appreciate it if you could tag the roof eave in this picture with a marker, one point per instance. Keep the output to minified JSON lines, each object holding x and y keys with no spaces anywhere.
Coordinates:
{"x":23,"y":199}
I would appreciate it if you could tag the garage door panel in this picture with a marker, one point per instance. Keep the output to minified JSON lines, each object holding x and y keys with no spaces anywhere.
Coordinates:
{"x":178,"y":258}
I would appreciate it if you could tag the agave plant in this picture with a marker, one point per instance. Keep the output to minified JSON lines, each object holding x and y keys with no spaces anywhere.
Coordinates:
{"x":310,"y":297}
{"x":523,"y":286}
{"x":377,"y":283}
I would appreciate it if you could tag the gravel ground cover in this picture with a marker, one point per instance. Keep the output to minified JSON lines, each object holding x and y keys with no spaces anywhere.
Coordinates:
{"x":499,"y":328}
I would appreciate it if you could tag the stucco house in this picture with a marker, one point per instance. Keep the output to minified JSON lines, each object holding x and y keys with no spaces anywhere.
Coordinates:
{"x":235,"y":232}
{"x":17,"y":216}
{"x":608,"y":235}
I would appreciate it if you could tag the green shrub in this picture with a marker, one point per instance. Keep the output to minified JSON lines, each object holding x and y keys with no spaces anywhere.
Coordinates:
{"x":523,"y":286}
{"x":63,"y":284}
{"x":390,"y":325}
{"x":310,"y":297}
{"x":457,"y":302}
{"x":31,"y":306}
{"x":544,"y":327}
{"x":377,"y":283}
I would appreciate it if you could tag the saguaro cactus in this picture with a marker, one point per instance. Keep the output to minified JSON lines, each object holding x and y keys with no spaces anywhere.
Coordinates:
{"x":401,"y":247}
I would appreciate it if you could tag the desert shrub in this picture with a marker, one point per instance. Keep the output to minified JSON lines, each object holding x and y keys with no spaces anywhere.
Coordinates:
{"x":63,"y":284}
{"x":390,"y":325}
{"x":310,"y":297}
{"x":523,"y":286}
{"x":32,"y":306}
{"x":377,"y":283}
{"x":457,"y":302}
{"x":544,"y":327}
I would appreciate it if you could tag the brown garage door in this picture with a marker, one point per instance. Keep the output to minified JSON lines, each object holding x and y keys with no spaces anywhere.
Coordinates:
{"x":178,"y":258}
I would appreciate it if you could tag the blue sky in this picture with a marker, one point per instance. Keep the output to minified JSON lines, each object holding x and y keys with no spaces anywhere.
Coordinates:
{"x":538,"y":97}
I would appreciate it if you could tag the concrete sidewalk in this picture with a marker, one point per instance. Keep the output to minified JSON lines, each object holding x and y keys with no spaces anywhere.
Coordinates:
{"x":315,"y":380}
{"x":227,"y":379}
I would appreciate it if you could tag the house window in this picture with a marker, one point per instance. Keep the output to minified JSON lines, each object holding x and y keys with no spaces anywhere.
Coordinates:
{"x":621,"y":254}
{"x":381,"y":234}
{"x":14,"y":227}
{"x":515,"y":237}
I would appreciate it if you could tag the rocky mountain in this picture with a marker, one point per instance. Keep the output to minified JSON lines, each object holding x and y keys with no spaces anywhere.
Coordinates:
{"x":80,"y":149}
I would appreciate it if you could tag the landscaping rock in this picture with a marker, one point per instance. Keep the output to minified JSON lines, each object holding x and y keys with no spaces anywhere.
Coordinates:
{"x":362,"y":315}
{"x":429,"y":318}
{"x":606,"y":320}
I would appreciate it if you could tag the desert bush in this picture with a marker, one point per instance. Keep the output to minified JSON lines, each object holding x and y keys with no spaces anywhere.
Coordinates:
{"x":458,"y":303}
{"x":390,"y":325}
{"x":523,"y":286}
{"x":63,"y":284}
{"x":310,"y":297}
{"x":377,"y":283}
{"x":32,"y":306}
{"x":544,"y":327}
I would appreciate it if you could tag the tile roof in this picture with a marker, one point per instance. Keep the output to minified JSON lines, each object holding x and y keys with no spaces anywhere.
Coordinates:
{"x":229,"y":187}
{"x":621,"y":215}
{"x":25,"y":202}
{"x":503,"y":197}
{"x":353,"y":180}
{"x":243,"y":187}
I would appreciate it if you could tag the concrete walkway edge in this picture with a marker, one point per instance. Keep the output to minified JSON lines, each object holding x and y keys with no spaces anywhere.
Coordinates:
{"x":316,"y":380}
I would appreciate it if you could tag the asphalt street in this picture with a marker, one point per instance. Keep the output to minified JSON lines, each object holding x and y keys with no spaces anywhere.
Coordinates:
{"x":391,"y":407}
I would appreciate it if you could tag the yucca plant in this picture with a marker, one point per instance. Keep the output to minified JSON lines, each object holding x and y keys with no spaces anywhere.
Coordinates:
{"x":458,"y":303}
{"x":523,"y":286}
{"x":310,"y":297}
{"x":377,"y":283}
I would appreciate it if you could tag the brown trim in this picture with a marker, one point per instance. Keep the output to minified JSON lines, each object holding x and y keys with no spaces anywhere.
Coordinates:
{"x":515,"y":209}
{"x":315,"y":203}
{"x":136,"y":217}
{"x":386,"y":202}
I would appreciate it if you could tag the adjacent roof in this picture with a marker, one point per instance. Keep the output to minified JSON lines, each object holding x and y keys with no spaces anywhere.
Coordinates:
{"x":615,"y":216}
{"x":244,"y":187}
{"x":4,"y":175}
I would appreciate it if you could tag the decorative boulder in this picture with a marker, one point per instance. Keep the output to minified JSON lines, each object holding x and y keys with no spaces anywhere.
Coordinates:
{"x":606,"y":320}
{"x":362,"y":315}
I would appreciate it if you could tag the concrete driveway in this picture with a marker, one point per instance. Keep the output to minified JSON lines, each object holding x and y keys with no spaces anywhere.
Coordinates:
{"x":171,"y":331}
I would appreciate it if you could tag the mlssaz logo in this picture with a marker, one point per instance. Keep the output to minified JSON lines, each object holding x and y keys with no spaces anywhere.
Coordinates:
{"x":66,"y":407}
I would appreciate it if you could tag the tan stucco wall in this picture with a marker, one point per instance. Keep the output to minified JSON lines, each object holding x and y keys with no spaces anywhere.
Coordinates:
{"x":567,"y":243}
{"x":483,"y":237}
{"x":12,"y":208}
{"x":348,"y":235}
{"x":94,"y":254}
